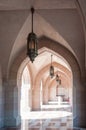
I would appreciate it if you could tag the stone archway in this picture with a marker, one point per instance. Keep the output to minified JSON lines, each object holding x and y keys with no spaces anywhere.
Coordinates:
{"x":36,"y":87}
{"x":12,"y":79}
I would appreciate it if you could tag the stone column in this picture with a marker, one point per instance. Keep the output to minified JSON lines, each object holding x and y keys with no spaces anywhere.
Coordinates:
{"x":45,"y":95}
{"x":30,"y":99}
{"x":12,"y":109}
{"x":36,"y":98}
{"x":79,"y":105}
{"x":1,"y":101}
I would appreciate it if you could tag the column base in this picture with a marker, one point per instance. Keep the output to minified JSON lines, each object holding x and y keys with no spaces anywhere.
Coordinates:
{"x":12,"y":121}
{"x":1,"y":122}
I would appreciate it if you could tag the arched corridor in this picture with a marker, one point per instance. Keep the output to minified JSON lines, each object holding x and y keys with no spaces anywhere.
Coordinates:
{"x":47,"y":88}
{"x":55,"y":100}
{"x":29,"y":95}
{"x":38,"y":74}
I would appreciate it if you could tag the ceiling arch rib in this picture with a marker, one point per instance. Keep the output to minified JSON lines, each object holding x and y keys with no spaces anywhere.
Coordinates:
{"x":65,"y":80}
{"x":43,"y":69}
{"x":41,"y":27}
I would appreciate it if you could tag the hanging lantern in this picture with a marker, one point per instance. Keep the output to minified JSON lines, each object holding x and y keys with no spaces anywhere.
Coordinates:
{"x":51,"y":69}
{"x":32,"y":41}
{"x":58,"y":79}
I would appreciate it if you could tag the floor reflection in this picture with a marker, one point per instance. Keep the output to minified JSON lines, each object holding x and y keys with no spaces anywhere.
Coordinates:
{"x":64,"y":123}
{"x":52,"y":117}
{"x":57,"y":118}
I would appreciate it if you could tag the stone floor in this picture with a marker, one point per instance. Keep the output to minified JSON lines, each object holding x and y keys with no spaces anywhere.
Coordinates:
{"x":46,"y":124}
{"x":50,"y":124}
{"x":60,"y":118}
{"x":63,"y":123}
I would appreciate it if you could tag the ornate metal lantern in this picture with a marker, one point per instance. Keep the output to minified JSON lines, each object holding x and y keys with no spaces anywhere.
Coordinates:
{"x":51,"y":69}
{"x":58,"y":79}
{"x":32,"y":41}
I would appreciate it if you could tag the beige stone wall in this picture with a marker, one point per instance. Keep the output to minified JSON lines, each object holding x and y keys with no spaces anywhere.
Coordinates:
{"x":1,"y":102}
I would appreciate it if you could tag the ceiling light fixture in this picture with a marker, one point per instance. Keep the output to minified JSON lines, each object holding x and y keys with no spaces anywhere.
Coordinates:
{"x":51,"y":69}
{"x":58,"y":79}
{"x":32,"y":41}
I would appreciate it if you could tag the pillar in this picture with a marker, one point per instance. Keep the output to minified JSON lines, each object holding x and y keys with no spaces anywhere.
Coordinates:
{"x":36,"y":105}
{"x":1,"y":101}
{"x":45,"y":95}
{"x":79,"y":105}
{"x":12,"y":114}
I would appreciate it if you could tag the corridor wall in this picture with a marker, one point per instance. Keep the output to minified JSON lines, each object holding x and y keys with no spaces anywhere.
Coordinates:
{"x":1,"y":101}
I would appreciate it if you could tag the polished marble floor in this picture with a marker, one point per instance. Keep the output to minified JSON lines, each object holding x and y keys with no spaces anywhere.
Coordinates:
{"x":58,"y":118}
{"x":64,"y":123}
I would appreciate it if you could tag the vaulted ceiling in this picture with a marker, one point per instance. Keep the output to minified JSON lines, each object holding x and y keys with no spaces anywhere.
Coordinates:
{"x":63,"y":21}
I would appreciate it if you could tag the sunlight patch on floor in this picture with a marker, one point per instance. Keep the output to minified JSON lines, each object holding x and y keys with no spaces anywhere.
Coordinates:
{"x":45,"y":114}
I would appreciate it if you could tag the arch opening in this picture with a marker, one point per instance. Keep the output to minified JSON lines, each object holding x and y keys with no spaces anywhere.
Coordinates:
{"x":39,"y":74}
{"x":43,"y":93}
